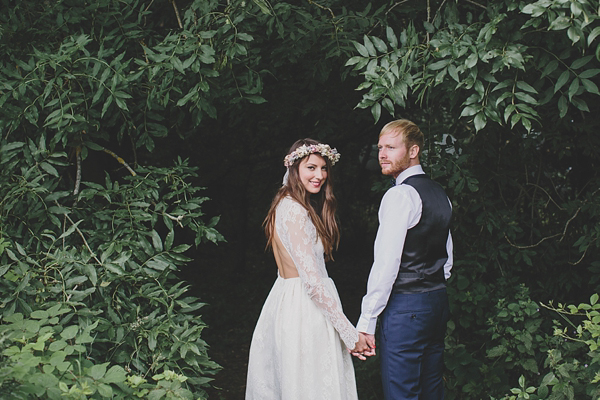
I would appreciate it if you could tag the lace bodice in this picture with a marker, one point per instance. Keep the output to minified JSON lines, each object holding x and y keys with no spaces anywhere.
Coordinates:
{"x":299,"y":237}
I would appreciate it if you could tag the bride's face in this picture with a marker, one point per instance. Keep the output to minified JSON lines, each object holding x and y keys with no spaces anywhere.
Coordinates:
{"x":313,"y":173}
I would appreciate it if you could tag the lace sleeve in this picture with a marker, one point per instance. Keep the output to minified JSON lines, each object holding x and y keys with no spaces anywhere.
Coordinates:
{"x":299,"y":237}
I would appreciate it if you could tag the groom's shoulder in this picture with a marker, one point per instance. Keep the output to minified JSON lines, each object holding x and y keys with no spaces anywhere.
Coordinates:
{"x":400,"y":192}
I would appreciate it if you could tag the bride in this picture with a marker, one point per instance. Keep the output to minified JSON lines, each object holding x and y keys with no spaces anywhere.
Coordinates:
{"x":302,"y":341}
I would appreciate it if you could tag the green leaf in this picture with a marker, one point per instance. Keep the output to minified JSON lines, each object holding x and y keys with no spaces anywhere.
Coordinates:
{"x":496,"y":351}
{"x":439,"y":64}
{"x":158,"y":265}
{"x":560,"y":23}
{"x":11,"y":146}
{"x":581,"y":62}
{"x":169,"y":240}
{"x":156,"y":394}
{"x":514,"y":119}
{"x":98,"y":371}
{"x":573,"y":88}
{"x":245,"y":37}
{"x":77,"y":280}
{"x":71,"y":229}
{"x":376,"y":111}
{"x":105,"y":391}
{"x":362,"y":50}
{"x":526,"y":87}
{"x":589,"y":73}
{"x":468,"y":111}
{"x":562,"y":106}
{"x":453,"y":72}
{"x":379,"y":44}
{"x":152,"y":340}
{"x":590,"y":86}
{"x":354,"y":60}
{"x":580,"y":104}
{"x":39,"y":314}
{"x":525,"y":98}
{"x":115,"y":374}
{"x":593,"y":35}
{"x":391,"y":37}
{"x":156,"y":241}
{"x":57,"y":345}
{"x":106,"y":105}
{"x":480,"y":121}
{"x":549,"y":379}
{"x":549,"y":68}
{"x":562,"y":79}
{"x":181,"y":248}
{"x":428,"y":27}
{"x":115,"y":269}
{"x":471,"y":61}
{"x":69,"y":332}
{"x":369,"y":46}
{"x":574,"y":34}
{"x":264,"y":6}
{"x":121,"y":104}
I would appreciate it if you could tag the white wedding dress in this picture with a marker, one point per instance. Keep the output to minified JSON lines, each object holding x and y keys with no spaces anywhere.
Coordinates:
{"x":298,"y":349}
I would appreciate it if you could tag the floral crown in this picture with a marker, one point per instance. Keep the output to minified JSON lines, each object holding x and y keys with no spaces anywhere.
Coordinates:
{"x":304,"y":150}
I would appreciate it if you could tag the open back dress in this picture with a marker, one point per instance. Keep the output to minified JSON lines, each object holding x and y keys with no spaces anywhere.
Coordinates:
{"x":299,"y":345}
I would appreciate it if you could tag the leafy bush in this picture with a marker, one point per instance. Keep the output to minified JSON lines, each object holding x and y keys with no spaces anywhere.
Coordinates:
{"x":41,"y":360}
{"x":572,"y":366}
{"x":98,"y":270}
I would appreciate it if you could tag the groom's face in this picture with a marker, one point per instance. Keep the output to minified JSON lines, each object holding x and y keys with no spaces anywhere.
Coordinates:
{"x":393,"y":155}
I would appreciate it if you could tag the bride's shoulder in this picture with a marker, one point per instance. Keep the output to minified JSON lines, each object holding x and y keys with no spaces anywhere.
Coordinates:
{"x":288,"y":205}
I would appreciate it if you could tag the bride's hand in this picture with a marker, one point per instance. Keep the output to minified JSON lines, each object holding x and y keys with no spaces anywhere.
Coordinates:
{"x":362,"y":348}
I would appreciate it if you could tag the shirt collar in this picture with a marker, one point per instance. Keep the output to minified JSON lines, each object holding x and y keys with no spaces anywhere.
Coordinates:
{"x":414,"y":170}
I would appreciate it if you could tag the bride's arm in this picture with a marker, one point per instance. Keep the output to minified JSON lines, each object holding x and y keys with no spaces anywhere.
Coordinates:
{"x":299,"y":237}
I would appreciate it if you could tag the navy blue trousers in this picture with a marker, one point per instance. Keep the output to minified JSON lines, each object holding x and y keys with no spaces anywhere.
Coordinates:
{"x":413,"y":327}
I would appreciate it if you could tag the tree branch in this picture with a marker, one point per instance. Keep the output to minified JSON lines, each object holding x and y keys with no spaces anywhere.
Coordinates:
{"x":121,"y":161}
{"x":177,"y":14}
{"x":80,"y":234}
{"x":386,"y":13}
{"x":564,"y":232}
{"x":322,"y":7}
{"x":477,"y":4}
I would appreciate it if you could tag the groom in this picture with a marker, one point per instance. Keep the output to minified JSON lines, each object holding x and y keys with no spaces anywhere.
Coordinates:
{"x":407,"y":282}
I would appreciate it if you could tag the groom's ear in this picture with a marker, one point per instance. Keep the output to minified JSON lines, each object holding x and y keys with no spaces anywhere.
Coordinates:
{"x":413,"y":152}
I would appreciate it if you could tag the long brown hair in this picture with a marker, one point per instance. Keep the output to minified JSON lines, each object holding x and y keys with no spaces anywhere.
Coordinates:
{"x":320,"y":206}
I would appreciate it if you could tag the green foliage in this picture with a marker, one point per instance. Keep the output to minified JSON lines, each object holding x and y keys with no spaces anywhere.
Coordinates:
{"x":41,"y":359}
{"x":110,"y":70}
{"x":98,"y":260}
{"x":517,"y":340}
{"x":45,"y":359}
{"x":572,"y":366}
{"x":503,"y":64}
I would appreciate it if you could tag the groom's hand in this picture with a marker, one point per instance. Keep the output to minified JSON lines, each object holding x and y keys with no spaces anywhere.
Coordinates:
{"x":371,"y":343}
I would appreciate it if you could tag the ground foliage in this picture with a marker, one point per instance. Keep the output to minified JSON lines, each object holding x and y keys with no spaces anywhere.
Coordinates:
{"x":505,"y":92}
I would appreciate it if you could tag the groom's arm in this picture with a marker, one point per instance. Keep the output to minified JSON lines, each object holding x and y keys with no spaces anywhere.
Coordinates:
{"x":450,"y":260}
{"x":400,"y":210}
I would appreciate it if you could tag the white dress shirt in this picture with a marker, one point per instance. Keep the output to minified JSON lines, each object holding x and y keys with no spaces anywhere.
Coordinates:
{"x":400,"y":211}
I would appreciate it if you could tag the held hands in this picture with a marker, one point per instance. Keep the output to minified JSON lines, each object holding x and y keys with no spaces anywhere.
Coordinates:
{"x":365,"y":347}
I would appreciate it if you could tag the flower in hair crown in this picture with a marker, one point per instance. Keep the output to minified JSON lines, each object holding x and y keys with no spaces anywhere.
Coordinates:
{"x":323,"y":149}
